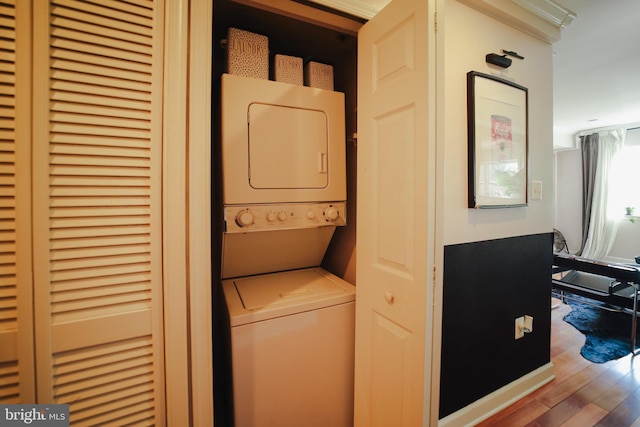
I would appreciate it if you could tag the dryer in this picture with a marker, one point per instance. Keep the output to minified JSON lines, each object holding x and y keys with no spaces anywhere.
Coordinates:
{"x":281,"y":143}
{"x":284,"y":174}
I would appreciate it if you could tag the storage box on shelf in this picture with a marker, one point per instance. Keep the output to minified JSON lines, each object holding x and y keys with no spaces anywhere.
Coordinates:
{"x":318,"y":75}
{"x":247,"y":54}
{"x":288,"y":69}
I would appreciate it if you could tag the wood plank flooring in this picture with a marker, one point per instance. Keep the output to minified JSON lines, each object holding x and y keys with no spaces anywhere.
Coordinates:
{"x":583,"y":394}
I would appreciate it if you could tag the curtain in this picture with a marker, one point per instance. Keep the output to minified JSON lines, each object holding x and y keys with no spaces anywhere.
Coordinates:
{"x":598,"y":230}
{"x":589,"y":148}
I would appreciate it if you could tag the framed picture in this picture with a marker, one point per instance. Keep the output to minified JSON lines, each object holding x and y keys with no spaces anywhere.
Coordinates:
{"x":498,"y":134}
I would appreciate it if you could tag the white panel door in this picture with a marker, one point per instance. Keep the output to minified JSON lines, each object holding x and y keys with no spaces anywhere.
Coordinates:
{"x":395,"y":222}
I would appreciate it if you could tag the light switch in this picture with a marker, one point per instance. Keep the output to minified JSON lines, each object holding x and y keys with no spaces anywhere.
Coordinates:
{"x":536,"y":190}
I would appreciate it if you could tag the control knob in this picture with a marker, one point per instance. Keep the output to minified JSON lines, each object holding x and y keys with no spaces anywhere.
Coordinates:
{"x":282,"y":216}
{"x":244,"y":218}
{"x":331,"y":213}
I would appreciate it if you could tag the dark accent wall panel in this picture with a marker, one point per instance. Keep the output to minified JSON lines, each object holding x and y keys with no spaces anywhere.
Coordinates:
{"x":487,"y":285}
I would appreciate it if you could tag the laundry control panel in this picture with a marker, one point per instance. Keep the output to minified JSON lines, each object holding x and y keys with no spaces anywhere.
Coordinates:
{"x":246,"y":218}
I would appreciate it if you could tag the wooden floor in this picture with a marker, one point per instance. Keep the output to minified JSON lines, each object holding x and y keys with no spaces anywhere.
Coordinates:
{"x":583,"y":394}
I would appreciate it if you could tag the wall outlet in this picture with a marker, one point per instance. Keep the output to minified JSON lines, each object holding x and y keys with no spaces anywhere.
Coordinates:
{"x":528,"y":324}
{"x":524,"y":325}
{"x":519,"y":327}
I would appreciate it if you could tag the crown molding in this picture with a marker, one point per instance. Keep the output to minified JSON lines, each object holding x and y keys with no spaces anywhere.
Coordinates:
{"x":516,"y":15}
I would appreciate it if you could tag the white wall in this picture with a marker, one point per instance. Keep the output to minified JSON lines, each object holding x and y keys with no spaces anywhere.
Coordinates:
{"x":568,"y":194}
{"x":470,"y":35}
{"x":563,"y":139}
{"x":627,"y":244}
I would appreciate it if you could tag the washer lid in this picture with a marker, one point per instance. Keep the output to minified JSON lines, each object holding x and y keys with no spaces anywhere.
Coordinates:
{"x":290,"y":287}
{"x":268,"y":296}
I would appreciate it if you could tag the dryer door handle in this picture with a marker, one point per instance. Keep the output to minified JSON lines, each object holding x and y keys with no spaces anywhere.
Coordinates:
{"x":322,"y":162}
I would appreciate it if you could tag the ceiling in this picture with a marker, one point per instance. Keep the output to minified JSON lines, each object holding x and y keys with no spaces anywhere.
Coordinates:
{"x":596,"y":70}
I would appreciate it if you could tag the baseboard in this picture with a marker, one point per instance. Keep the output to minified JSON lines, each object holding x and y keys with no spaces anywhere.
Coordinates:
{"x":498,"y":400}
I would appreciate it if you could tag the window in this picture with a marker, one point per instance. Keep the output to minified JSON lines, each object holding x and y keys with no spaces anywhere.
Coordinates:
{"x":624,"y":180}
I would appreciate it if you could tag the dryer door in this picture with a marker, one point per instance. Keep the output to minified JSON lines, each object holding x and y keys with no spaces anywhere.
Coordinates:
{"x":287,"y":147}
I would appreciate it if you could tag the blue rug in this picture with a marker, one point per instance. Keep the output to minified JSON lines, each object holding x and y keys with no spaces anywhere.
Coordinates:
{"x":608,"y":334}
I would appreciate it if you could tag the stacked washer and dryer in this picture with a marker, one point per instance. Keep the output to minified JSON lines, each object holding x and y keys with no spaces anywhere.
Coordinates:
{"x":284,"y":193}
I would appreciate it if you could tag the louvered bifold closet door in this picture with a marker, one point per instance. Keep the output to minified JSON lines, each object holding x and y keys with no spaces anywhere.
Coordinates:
{"x":17,"y":380}
{"x":97,"y":209}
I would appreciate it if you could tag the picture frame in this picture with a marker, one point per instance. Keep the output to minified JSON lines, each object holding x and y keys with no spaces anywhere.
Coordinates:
{"x":498,"y":133}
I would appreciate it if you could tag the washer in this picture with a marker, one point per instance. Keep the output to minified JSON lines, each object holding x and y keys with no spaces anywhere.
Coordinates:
{"x":292,"y":336}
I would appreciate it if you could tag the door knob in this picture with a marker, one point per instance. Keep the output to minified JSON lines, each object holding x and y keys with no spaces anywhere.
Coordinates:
{"x":388,"y":296}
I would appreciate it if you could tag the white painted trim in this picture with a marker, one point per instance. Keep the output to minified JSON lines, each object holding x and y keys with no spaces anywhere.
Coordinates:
{"x":174,"y":232}
{"x":498,"y":400}
{"x":606,"y":128}
{"x":550,"y":11}
{"x":361,"y":9}
{"x":199,"y":211}
{"x":436,"y":210}
{"x":518,"y":17}
{"x":305,"y":13}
